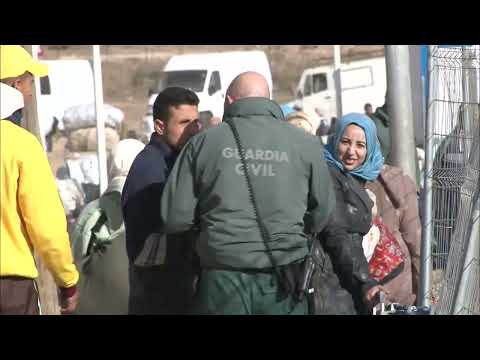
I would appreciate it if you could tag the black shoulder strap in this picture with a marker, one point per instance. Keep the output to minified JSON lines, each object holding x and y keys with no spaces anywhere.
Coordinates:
{"x":349,"y":183}
{"x":263,"y":230}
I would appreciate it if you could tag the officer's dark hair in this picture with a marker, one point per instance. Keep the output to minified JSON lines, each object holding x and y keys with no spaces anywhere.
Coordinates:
{"x":172,"y":97}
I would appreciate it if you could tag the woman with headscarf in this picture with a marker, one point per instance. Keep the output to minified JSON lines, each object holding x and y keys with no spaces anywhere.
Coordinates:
{"x":354,"y":158}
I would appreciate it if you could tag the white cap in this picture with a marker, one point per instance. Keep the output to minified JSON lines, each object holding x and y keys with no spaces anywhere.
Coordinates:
{"x":10,"y":100}
{"x":123,"y":155}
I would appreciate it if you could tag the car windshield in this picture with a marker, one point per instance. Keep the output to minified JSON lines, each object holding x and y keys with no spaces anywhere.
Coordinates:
{"x":189,"y":79}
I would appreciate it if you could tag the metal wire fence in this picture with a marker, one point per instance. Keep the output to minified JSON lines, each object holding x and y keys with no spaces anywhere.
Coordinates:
{"x":453,"y":115}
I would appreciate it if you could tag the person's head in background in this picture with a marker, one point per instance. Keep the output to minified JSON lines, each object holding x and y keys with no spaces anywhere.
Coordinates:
{"x":131,"y":134}
{"x":386,"y":104}
{"x":322,"y":128}
{"x":176,"y":118}
{"x":208,"y":120}
{"x":18,"y":68}
{"x":305,"y":121}
{"x":368,"y":109}
{"x":123,"y":154}
{"x":204,"y":118}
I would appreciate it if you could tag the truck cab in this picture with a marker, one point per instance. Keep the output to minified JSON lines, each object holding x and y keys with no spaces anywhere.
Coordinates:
{"x":208,"y":75}
{"x":316,"y":92}
{"x":362,"y":81}
{"x":68,"y":83}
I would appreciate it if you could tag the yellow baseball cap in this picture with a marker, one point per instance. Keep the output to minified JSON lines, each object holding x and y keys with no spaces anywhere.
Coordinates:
{"x":15,"y":61}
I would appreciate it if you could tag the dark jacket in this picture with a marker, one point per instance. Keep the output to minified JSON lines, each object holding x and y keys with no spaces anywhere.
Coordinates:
{"x":142,"y":191}
{"x":342,"y":237}
{"x":165,"y":288}
{"x":207,"y":189}
{"x":382,"y":123}
{"x":16,"y":117}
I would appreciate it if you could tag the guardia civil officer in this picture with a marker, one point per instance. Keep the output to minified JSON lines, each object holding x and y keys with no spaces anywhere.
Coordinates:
{"x":249,"y":266}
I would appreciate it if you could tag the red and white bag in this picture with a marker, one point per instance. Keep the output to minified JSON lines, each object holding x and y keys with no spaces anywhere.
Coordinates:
{"x":387,"y":260}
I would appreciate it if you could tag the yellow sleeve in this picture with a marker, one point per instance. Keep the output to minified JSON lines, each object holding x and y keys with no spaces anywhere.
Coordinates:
{"x":43,"y":214}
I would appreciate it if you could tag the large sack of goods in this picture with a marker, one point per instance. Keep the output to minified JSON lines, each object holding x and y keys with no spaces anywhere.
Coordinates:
{"x":84,"y":116}
{"x":80,"y":122}
{"x":83,"y":140}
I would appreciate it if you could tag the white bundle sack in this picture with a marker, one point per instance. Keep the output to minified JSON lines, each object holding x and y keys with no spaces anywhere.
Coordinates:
{"x":84,"y":116}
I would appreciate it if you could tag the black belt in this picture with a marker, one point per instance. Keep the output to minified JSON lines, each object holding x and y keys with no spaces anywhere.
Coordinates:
{"x":15,"y":277}
{"x":270,"y":270}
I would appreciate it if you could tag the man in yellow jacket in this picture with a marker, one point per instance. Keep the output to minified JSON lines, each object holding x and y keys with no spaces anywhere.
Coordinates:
{"x":32,"y":215}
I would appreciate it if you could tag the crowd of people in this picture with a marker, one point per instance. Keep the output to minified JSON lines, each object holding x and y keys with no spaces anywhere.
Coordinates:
{"x":250,"y":214}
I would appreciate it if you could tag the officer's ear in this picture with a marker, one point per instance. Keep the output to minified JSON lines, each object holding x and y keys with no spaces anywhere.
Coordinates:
{"x":159,"y":126}
{"x":228,"y":101}
{"x":231,"y":99}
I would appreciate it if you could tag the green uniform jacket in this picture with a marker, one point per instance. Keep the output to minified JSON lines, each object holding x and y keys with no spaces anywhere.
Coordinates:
{"x":382,"y":122}
{"x":207,"y":191}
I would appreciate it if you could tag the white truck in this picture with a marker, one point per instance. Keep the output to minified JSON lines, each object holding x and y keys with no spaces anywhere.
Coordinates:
{"x":69,"y":83}
{"x":209,"y":76}
{"x":362,"y":81}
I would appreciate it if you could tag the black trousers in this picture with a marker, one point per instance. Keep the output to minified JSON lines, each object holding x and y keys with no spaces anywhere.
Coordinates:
{"x":18,"y":296}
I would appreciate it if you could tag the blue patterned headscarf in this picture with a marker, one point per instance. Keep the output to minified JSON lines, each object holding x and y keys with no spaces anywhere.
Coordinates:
{"x":373,"y":163}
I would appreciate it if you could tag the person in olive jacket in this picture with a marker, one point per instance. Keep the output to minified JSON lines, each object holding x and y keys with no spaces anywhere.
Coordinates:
{"x":207,"y":191}
{"x":354,"y":158}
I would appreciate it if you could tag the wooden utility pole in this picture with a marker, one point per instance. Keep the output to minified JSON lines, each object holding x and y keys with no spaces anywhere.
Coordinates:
{"x":46,"y":285}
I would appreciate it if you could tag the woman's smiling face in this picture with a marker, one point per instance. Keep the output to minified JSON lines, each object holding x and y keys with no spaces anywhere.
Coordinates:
{"x":352,"y":148}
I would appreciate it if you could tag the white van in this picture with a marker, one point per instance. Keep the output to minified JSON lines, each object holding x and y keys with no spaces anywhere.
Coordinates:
{"x":363,"y":81}
{"x":69,"y":83}
{"x":209,"y":76}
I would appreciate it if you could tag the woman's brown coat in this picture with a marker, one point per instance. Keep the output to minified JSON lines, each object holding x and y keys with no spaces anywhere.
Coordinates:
{"x":397,"y":204}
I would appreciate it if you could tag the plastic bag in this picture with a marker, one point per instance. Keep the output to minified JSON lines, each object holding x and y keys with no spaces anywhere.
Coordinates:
{"x":387,"y":259}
